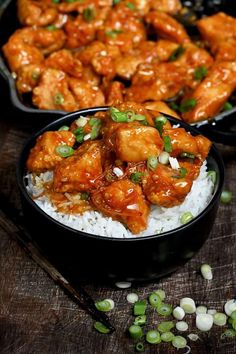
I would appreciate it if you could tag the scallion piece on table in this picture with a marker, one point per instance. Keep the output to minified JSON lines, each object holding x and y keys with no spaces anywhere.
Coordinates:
{"x":228,"y":333}
{"x":140,"y":320}
{"x":135,"y":332}
{"x":181,"y":326}
{"x":233,"y":315}
{"x":161,"y":293}
{"x":165,"y":326}
{"x":154,"y":299}
{"x":179,"y":342}
{"x":164,"y":309}
{"x":153,"y":337}
{"x":188,"y":305}
{"x":226,"y":196}
{"x":64,"y":150}
{"x":103,"y":305}
{"x":186,"y":217}
{"x":227,"y":106}
{"x":201,"y":309}
{"x":167,"y":144}
{"x":139,"y":347}
{"x":167,"y":337}
{"x":219,"y":319}
{"x":230,"y":306}
{"x":101,"y":328}
{"x":132,"y":298}
{"x":204,"y":322}
{"x":140,"y":307}
{"x":152,"y":162}
{"x":206,"y":271}
{"x":178,"y":313}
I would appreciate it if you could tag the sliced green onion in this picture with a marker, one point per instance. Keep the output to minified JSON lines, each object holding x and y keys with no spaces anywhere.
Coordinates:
{"x":186,"y":217}
{"x":51,"y":28}
{"x":153,"y":337}
{"x":103,"y":305}
{"x":56,"y":1}
{"x":219,"y":319}
{"x":113,"y":33}
{"x":139,"y":347}
{"x":132,"y":298}
{"x":173,"y":106}
{"x":161,"y":293}
{"x":227,"y":106}
{"x":187,"y":155}
{"x":140,"y":320}
{"x":200,"y":72}
{"x":167,"y":144}
{"x":159,"y":122}
{"x":233,"y":315}
{"x":233,"y":324}
{"x":152,"y":162}
{"x":58,"y":99}
{"x":164,"y":309}
{"x":226,"y":196}
{"x":204,"y":322}
{"x":130,"y":5}
{"x":211,"y":311}
{"x":228,"y":333}
{"x":81,"y":121}
{"x":114,"y":2}
{"x":181,"y":326}
{"x":118,"y":116}
{"x":136,"y":177}
{"x":135,"y":331}
{"x":64,"y":150}
{"x":206,"y":271}
{"x":201,"y":309}
{"x":212,"y":175}
{"x":88,"y":14}
{"x":154,"y":299}
{"x":164,"y":158}
{"x":84,"y":195}
{"x":123,"y":284}
{"x":178,"y":313}
{"x":187,"y":105}
{"x":96,"y":126}
{"x":165,"y":326}
{"x":179,"y":342}
{"x":63,"y":128}
{"x":101,"y":328}
{"x":188,"y":305}
{"x":182,"y":172}
{"x":194,"y":337}
{"x":167,"y":337}
{"x":230,"y":306}
{"x":140,"y":307}
{"x":176,"y":53}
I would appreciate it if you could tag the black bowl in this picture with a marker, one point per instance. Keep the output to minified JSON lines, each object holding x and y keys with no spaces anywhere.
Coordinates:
{"x":84,"y":256}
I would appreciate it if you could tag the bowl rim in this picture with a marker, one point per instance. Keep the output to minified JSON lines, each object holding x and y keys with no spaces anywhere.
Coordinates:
{"x":20,"y":174}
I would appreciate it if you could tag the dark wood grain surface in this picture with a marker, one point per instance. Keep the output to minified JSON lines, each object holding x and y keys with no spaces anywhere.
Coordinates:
{"x":37,"y":317}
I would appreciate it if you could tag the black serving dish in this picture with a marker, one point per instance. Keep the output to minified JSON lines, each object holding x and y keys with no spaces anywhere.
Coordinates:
{"x":220,"y":129}
{"x":81,"y":255}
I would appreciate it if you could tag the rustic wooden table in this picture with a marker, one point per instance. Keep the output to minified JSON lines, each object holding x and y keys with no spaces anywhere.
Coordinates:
{"x":37,"y":317}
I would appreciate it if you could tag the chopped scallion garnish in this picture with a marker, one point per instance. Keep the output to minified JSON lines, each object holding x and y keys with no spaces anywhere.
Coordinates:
{"x":187,"y":155}
{"x":130,"y":5}
{"x":140,"y":320}
{"x":113,"y":33}
{"x":179,"y":342}
{"x":152,"y":162}
{"x":135,"y":331}
{"x":140,"y":307}
{"x":186,"y":217}
{"x":136,"y":177}
{"x":154,"y":299}
{"x":187,"y":105}
{"x":103,"y":305}
{"x":64,"y":150}
{"x":159,"y":123}
{"x":164,"y":309}
{"x":153,"y":337}
{"x":226,"y":196}
{"x":51,"y":28}
{"x":176,"y":53}
{"x":212,"y":175}
{"x":167,"y":144}
{"x":88,"y":14}
{"x":63,"y":128}
{"x":58,"y":99}
{"x":167,"y":337}
{"x":206,"y":271}
{"x":227,"y":106}
{"x":200,"y":72}
{"x":139,"y":347}
{"x":165,"y":326}
{"x":101,"y":328}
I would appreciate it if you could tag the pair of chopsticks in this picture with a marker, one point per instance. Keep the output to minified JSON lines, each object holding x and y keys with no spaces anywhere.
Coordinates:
{"x":15,"y":227}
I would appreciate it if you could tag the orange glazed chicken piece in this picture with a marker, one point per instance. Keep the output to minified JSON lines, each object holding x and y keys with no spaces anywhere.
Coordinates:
{"x":123,"y":201}
{"x":36,"y":13}
{"x":166,"y":187}
{"x":136,"y":143}
{"x":169,"y":6}
{"x":43,"y":156}
{"x":80,"y":172}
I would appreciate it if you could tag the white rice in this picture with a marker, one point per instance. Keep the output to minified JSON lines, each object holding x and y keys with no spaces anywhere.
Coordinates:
{"x":160,"y":219}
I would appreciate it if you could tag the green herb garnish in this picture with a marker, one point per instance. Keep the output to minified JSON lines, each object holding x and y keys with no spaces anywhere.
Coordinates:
{"x":200,"y":72}
{"x":187,"y":105}
{"x":176,"y":53}
{"x":167,"y":144}
{"x":88,"y":14}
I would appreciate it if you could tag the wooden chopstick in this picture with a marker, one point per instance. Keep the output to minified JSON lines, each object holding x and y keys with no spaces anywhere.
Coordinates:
{"x":15,"y":227}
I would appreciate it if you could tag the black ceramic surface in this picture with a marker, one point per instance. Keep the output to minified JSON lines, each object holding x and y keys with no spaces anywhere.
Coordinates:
{"x":85,"y":256}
